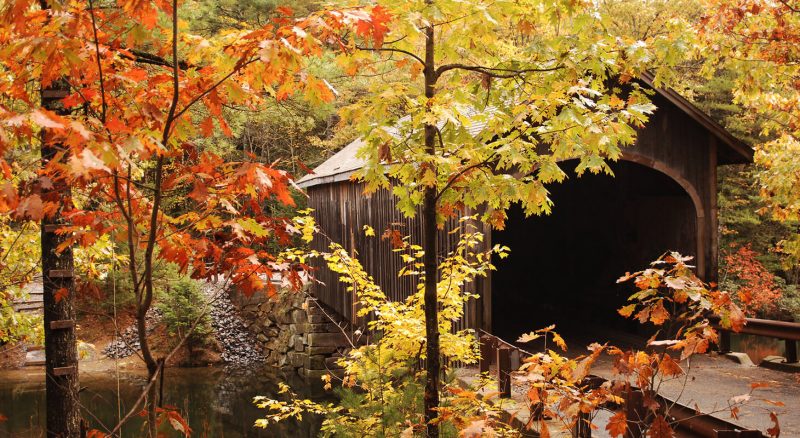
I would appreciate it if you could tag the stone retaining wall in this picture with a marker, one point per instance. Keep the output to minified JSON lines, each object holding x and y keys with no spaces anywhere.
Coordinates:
{"x":295,"y":332}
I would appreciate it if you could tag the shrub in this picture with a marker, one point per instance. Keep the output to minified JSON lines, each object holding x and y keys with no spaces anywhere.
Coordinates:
{"x":181,"y":305}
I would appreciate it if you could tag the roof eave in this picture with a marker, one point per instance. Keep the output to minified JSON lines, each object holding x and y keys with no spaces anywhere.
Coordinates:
{"x":738,"y":146}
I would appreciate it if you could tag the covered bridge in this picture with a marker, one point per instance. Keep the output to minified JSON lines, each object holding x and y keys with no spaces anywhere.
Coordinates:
{"x":563,"y":266}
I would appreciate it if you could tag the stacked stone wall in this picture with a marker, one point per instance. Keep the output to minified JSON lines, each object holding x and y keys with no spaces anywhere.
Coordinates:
{"x":296,"y":332}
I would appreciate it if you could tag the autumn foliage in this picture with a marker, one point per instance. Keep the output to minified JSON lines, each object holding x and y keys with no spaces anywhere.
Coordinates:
{"x":758,"y":293}
{"x":137,"y":107}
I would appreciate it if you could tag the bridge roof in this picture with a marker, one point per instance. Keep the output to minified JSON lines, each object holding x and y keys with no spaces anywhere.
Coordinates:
{"x":344,"y":163}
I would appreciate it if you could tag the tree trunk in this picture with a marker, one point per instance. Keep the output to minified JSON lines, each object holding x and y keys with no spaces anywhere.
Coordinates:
{"x":433,"y":366}
{"x":61,"y":356}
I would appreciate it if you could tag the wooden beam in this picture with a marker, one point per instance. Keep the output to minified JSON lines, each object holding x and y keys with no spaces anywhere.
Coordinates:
{"x":64,"y":371}
{"x":62,"y":324}
{"x":61,"y":273}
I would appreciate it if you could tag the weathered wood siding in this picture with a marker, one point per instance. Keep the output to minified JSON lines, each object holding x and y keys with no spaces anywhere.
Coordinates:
{"x":672,"y":143}
{"x":341,"y":211}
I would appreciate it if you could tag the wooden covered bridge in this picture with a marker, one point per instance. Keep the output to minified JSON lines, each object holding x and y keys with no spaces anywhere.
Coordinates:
{"x":562,"y":267}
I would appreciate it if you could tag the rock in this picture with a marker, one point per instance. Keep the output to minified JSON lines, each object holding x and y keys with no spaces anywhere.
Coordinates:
{"x":321,"y":350}
{"x":740,"y":358}
{"x":298,"y":343}
{"x":316,"y":362}
{"x":326,"y":339}
{"x":317,"y":319}
{"x":299,"y":316}
{"x":296,"y":359}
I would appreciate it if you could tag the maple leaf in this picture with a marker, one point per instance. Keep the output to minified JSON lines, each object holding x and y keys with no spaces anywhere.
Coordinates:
{"x":559,"y":341}
{"x":475,"y":429}
{"x":46,"y":119}
{"x":668,"y":367}
{"x":659,"y":428}
{"x":658,"y":314}
{"x":60,"y":294}
{"x":617,"y":424}
{"x":528,"y":337}
{"x":199,"y":191}
{"x":775,"y":430}
{"x":626,"y":311}
{"x":31,"y":207}
{"x":207,"y":126}
{"x":544,"y":431}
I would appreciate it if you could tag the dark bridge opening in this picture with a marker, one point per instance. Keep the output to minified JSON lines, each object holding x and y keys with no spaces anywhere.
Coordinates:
{"x":563,"y":267}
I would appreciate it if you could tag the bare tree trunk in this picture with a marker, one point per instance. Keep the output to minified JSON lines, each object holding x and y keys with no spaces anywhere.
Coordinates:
{"x":61,"y":356}
{"x":433,"y":366}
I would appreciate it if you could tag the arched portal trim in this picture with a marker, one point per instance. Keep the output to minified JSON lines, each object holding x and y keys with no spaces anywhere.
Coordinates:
{"x":697,"y":201}
{"x":689,"y":188}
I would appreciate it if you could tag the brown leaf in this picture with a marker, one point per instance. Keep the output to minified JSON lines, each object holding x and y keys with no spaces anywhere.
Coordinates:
{"x":660,"y":428}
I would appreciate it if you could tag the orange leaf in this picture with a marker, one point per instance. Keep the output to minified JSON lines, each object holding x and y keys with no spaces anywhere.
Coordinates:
{"x":617,"y":424}
{"x":207,"y":127}
{"x":658,"y":315}
{"x":559,"y":341}
{"x":668,"y":367}
{"x":544,"y":432}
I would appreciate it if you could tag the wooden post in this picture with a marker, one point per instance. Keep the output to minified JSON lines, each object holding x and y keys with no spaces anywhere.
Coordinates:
{"x":61,"y":355}
{"x":724,"y":341}
{"x":636,"y":413}
{"x":583,"y":426}
{"x":516,"y":360}
{"x":791,"y":350}
{"x":487,"y":353}
{"x":504,"y":371}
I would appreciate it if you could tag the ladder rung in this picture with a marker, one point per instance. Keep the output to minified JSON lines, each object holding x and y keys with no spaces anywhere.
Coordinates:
{"x":64,"y":371}
{"x":61,"y":273}
{"x":62,"y":324}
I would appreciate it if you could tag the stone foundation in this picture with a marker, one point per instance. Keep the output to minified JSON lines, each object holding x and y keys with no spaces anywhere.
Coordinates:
{"x":295,"y":332}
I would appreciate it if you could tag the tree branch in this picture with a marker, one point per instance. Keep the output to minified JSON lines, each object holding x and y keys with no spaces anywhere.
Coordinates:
{"x":498,"y":73}
{"x":390,"y":49}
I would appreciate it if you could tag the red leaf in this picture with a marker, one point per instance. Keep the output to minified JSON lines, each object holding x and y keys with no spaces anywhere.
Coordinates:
{"x":207,"y":127}
{"x":199,"y":192}
{"x":660,"y":428}
{"x":774,"y":431}
{"x":136,"y":74}
{"x":60,"y":294}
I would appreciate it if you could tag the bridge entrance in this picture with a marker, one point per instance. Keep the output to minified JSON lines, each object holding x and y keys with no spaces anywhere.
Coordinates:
{"x":563,"y":267}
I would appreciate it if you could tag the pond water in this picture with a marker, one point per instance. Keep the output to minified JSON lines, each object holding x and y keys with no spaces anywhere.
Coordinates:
{"x":216,"y":403}
{"x":757,"y":347}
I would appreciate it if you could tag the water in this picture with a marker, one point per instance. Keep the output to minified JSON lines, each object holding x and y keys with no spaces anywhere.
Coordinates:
{"x":757,"y":347}
{"x":215,"y":403}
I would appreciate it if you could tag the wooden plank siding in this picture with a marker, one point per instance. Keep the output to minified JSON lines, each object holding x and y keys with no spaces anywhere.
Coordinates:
{"x":341,"y":211}
{"x":672,"y":142}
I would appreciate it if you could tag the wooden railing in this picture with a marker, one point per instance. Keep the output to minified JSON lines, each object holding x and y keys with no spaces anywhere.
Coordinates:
{"x":507,"y":358}
{"x":788,"y":332}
